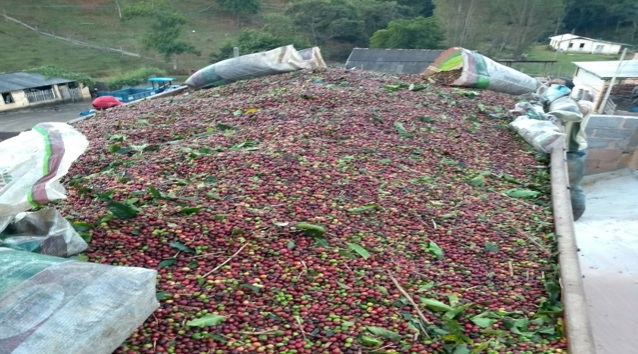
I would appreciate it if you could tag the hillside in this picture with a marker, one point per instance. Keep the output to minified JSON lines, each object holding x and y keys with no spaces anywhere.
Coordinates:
{"x":96,"y":22}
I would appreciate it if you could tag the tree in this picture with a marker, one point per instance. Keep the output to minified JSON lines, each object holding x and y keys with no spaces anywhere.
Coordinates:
{"x":416,"y":33}
{"x":165,"y":31}
{"x":377,"y":15}
{"x":240,"y":7}
{"x":164,"y":37}
{"x":462,"y":20}
{"x":278,"y":30}
{"x":329,"y":20}
{"x":524,"y":22}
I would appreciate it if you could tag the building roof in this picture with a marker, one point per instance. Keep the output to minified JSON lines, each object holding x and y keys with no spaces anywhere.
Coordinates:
{"x":607,"y":69}
{"x":396,"y":61}
{"x":23,"y":80}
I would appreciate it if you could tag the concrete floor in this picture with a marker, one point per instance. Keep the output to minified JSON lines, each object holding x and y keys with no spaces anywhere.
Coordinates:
{"x":607,"y":237}
{"x":24,"y":119}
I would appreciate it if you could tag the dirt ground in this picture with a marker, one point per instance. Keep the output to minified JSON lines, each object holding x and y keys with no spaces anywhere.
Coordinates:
{"x":24,"y":119}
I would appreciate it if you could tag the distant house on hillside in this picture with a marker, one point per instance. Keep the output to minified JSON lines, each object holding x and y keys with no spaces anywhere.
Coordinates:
{"x":22,"y":90}
{"x":596,"y":76}
{"x":392,"y":61}
{"x":577,"y":44}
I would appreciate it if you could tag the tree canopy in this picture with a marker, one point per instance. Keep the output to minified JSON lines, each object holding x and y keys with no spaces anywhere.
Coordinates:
{"x":416,"y":33}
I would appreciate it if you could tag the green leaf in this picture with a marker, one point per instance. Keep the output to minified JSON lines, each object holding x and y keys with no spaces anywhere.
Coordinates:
{"x":483,"y":322}
{"x":359,"y":250}
{"x":106,"y":195}
{"x":162,"y":295}
{"x":180,"y":246}
{"x":224,"y":127}
{"x":117,"y":137}
{"x":369,"y":341}
{"x":155,"y":194}
{"x":189,"y":211}
{"x":253,"y":288}
{"x":166,"y":262}
{"x":207,"y":320}
{"x":400,"y":129}
{"x":365,"y":207}
{"x":310,"y":229}
{"x":80,"y":226}
{"x":425,"y":287}
{"x":491,"y":247}
{"x":383,"y":333}
{"x":122,"y":210}
{"x":462,"y":349}
{"x":213,"y":196}
{"x":436,"y":305}
{"x":521,"y":193}
{"x":433,"y":249}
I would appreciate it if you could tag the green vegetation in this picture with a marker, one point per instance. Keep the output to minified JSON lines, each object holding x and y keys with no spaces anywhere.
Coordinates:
{"x":563,"y":65}
{"x":107,"y":39}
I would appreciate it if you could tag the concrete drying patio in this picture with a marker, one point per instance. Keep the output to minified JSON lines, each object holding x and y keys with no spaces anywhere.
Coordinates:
{"x":607,"y":238}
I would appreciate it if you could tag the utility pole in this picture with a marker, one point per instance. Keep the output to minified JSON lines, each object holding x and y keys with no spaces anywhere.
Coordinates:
{"x":603,"y":103}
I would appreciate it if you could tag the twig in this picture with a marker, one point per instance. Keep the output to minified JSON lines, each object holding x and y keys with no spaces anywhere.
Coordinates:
{"x":509,"y":264}
{"x":411,"y":301}
{"x":206,"y":254}
{"x":303,"y":333}
{"x":226,"y":261}
{"x":305,"y":270}
{"x":532,"y":240}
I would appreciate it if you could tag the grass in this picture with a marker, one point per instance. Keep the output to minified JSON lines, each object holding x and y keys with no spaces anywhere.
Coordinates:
{"x":97,"y":22}
{"x":563,"y":65}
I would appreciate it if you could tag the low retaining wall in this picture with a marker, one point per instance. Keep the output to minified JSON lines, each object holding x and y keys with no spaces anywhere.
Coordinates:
{"x":578,"y":331}
{"x":612,"y":143}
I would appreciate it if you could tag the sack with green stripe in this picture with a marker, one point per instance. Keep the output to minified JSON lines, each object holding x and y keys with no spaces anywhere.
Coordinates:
{"x":466,"y":68}
{"x":32,"y":164}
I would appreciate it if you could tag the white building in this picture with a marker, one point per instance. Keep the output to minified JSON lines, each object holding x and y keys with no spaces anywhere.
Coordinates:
{"x":577,"y":44}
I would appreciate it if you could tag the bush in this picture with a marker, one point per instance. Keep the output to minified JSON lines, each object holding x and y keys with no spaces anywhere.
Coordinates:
{"x":51,"y":71}
{"x":133,"y":78}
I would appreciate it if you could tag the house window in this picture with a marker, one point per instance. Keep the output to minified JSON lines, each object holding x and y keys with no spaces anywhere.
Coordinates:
{"x":582,"y":45}
{"x":7,"y":98}
{"x":571,"y":45}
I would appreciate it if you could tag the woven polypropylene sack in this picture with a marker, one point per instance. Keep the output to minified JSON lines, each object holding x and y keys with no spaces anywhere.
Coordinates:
{"x":56,"y":305}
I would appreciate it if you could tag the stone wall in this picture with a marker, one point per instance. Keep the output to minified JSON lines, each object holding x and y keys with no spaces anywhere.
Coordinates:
{"x":612,"y":143}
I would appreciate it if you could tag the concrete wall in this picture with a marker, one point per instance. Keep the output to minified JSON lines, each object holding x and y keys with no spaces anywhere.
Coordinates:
{"x":584,"y":45}
{"x":612,"y":143}
{"x":19,"y":101}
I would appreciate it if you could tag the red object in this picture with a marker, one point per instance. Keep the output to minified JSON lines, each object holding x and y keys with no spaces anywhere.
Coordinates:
{"x":104,"y":102}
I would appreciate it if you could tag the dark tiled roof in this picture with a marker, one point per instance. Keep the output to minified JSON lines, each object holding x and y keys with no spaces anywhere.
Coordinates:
{"x":396,"y":61}
{"x":23,"y":80}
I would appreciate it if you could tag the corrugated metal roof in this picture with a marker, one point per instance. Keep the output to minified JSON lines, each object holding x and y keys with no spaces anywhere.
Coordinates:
{"x":607,"y":69}
{"x":24,"y":80}
{"x":396,"y":61}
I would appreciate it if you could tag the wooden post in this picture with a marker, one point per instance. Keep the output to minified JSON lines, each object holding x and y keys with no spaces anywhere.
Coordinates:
{"x":601,"y":108}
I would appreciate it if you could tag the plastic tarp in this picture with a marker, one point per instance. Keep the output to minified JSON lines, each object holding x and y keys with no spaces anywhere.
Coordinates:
{"x":44,"y":231}
{"x":478,"y":71}
{"x":56,"y":305}
{"x":104,"y":102}
{"x":277,"y":61}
